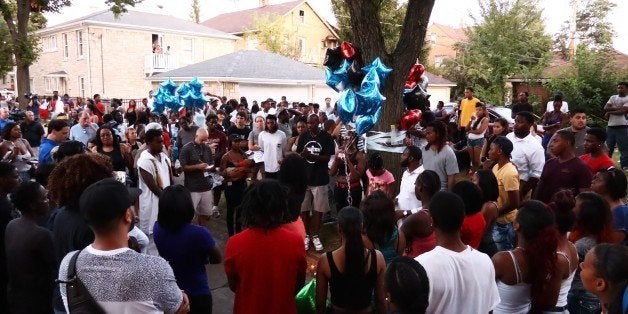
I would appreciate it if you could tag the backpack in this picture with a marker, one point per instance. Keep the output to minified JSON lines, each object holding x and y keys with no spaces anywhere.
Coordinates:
{"x":80,"y":301}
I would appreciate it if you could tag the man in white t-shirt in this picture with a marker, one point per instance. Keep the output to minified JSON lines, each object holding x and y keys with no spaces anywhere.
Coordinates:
{"x":617,"y":131}
{"x":407,"y":201}
{"x":273,"y":143}
{"x":154,"y":174}
{"x":461,"y":279}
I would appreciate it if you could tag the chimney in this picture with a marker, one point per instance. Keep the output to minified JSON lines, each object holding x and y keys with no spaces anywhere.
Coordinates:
{"x":263,"y":3}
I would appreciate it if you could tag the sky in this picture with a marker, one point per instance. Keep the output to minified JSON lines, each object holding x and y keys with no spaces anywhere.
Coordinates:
{"x":449,"y":12}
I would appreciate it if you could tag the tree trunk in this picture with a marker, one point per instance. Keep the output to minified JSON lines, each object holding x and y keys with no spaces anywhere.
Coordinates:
{"x":23,"y":83}
{"x":368,"y":38}
{"x":20,"y":44}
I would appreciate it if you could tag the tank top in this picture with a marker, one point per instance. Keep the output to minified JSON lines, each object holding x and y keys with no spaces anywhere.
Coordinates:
{"x":474,"y":126}
{"x":565,"y":284}
{"x":341,"y":165}
{"x":352,"y":293}
{"x":389,"y":247}
{"x":515,"y":299}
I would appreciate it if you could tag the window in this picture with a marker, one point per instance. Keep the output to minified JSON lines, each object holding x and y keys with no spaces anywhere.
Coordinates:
{"x":81,"y":86}
{"x":187,"y":51}
{"x":79,"y":44}
{"x":49,"y":43}
{"x":301,"y":46}
{"x":64,"y":42}
{"x":433,"y":38}
{"x":31,"y":83}
{"x":302,"y":16}
{"x":438,"y":61}
{"x":52,"y":83}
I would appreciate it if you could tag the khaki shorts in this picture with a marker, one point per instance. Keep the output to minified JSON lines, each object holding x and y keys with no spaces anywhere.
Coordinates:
{"x":203,"y":202}
{"x":315,"y":196}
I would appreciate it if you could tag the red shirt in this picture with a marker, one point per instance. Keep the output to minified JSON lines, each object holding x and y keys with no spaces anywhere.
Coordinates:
{"x":421,"y":245}
{"x":265,"y":266}
{"x":100,"y":112}
{"x":472,"y":230}
{"x":598,"y":163}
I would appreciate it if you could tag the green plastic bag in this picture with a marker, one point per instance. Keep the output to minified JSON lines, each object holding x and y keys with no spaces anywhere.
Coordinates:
{"x":306,"y":298}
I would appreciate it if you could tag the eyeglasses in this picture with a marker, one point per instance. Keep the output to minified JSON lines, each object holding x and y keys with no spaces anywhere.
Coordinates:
{"x":106,"y":135}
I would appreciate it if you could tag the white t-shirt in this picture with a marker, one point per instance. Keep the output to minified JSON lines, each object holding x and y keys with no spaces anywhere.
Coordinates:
{"x":149,"y":202}
{"x":527,"y":155}
{"x":617,"y":102}
{"x":460,"y":282}
{"x":550,"y":107}
{"x":273,"y":145}
{"x":407,"y":199}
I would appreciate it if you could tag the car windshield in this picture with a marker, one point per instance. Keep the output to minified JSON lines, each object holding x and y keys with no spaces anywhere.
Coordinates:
{"x":503,"y":112}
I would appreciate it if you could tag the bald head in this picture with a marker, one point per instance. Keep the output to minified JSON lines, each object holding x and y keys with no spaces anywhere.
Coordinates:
{"x":84,"y":118}
{"x":201,"y":136}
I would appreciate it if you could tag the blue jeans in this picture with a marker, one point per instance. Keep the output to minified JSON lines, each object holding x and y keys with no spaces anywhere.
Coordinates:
{"x":582,"y":304}
{"x":503,"y":236}
{"x":619,"y":137}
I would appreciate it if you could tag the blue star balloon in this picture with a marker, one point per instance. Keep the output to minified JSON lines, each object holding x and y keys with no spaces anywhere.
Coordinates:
{"x":369,"y":99}
{"x":347,"y":105}
{"x":196,"y":83}
{"x":382,"y":70}
{"x":366,"y":122}
{"x":334,"y":81}
{"x":169,"y":85}
{"x":344,"y":67}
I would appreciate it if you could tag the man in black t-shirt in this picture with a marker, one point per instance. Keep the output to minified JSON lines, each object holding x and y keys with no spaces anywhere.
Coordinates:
{"x":8,"y":180}
{"x":316,"y":148}
{"x":521,"y":105}
{"x":240,"y":128}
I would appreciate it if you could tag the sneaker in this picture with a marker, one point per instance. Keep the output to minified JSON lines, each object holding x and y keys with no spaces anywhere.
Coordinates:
{"x":216,"y":212}
{"x":317,"y":244}
{"x":307,"y":243}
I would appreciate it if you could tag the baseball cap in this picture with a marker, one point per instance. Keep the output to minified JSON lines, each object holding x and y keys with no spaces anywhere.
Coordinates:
{"x":235,"y":138}
{"x":106,"y":200}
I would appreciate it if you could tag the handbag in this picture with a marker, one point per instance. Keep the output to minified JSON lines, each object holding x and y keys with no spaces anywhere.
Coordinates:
{"x":80,"y":301}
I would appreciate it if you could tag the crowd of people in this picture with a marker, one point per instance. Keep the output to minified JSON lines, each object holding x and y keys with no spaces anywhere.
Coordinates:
{"x":537,"y":225}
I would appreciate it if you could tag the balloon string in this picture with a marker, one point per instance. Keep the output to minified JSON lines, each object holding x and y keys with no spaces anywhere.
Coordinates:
{"x":347,"y":174}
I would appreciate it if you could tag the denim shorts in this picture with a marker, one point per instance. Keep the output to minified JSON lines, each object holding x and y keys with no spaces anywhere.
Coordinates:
{"x":478,"y":142}
{"x":503,"y":236}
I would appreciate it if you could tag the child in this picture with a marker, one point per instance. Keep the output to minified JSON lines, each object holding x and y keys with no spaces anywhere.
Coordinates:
{"x":379,"y":178}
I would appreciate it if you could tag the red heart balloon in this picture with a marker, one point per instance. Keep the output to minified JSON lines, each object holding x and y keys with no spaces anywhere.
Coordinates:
{"x":410,"y":119}
{"x":410,"y":84}
{"x":347,"y":50}
{"x":416,"y":71}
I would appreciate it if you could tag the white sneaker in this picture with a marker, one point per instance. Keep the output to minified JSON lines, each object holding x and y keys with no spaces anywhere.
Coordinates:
{"x":317,"y":244}
{"x":307,"y":243}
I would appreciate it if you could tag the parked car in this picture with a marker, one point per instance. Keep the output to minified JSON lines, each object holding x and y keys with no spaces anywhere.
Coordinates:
{"x":495,"y":112}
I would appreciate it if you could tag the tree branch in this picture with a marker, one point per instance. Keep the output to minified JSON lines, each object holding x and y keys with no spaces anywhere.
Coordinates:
{"x":412,"y":35}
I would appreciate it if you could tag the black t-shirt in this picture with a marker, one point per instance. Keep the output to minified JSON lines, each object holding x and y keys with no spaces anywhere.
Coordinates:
{"x":32,"y":266}
{"x":321,"y":145}
{"x":6,"y":214}
{"x":519,"y":107}
{"x":117,"y":161}
{"x":193,"y":154}
{"x":244,"y":132}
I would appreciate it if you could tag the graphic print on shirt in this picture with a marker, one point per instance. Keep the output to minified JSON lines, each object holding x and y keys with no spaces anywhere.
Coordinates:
{"x":314,"y":148}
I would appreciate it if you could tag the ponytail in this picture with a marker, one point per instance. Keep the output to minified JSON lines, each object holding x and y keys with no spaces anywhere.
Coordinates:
{"x":350,"y":223}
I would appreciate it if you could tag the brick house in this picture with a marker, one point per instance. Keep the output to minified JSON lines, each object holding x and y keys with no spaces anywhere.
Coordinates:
{"x":99,"y":54}
{"x":307,"y":30}
{"x":441,"y":40}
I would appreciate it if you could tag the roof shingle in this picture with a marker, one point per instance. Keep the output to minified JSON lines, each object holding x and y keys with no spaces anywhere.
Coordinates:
{"x":238,"y":21}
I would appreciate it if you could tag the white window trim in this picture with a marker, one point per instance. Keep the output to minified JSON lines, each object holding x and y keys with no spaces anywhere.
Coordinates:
{"x":65,"y":45}
{"x":49,"y":43}
{"x":81,"y":86}
{"x":80,"y":45}
{"x":51,"y":83}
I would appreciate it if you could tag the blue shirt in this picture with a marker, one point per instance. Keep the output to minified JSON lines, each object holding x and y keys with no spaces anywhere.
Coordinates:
{"x":187,"y":250}
{"x":45,"y":151}
{"x":620,"y":218}
{"x":3,"y":123}
{"x":83,"y":134}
